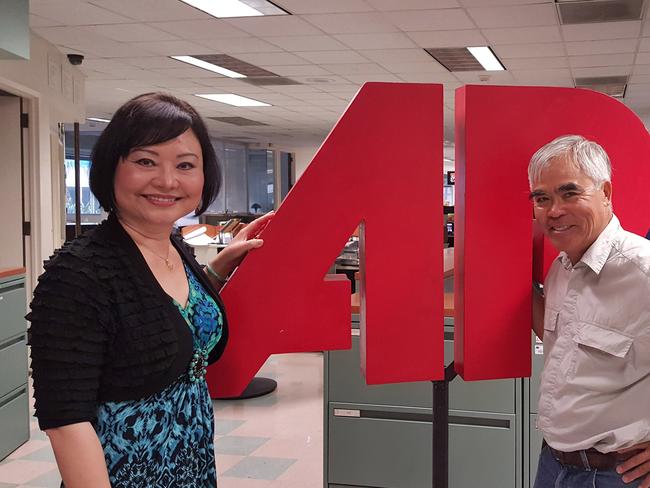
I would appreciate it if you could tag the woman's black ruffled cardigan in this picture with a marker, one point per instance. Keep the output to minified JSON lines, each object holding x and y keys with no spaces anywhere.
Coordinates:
{"x":103,"y":329}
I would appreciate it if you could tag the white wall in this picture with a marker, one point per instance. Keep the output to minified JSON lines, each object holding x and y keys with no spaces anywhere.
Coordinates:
{"x":54,"y":92}
{"x":304,"y":155}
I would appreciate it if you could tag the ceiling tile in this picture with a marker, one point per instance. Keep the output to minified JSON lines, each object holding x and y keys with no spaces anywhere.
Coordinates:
{"x":606,"y":30}
{"x":448,"y":38}
{"x":412,"y":4}
{"x":642,"y":69}
{"x":68,"y":35}
{"x":274,"y":59}
{"x":321,"y":82}
{"x":396,"y":55}
{"x":75,"y":12}
{"x":432,"y":66}
{"x":542,"y":50}
{"x":392,"y":40}
{"x":494,"y":77}
{"x":307,"y":43}
{"x":643,"y":58}
{"x":277,"y":25}
{"x":300,"y":70}
{"x":514,"y":16}
{"x":610,"y":46}
{"x":535,"y":63}
{"x":548,"y":77}
{"x":638,"y":78}
{"x":131,"y":32}
{"x":151,"y":62}
{"x":235,"y":45}
{"x":523,"y":35}
{"x":38,"y":21}
{"x":106,"y":65}
{"x":200,"y":29}
{"x":646,"y":28}
{"x":361,"y":23}
{"x":152,"y":10}
{"x":601,"y":60}
{"x":428,"y":20}
{"x":333,"y":57}
{"x":173,"y":48}
{"x":186,"y":71}
{"x":354,"y":68}
{"x":374,"y":77}
{"x":319,"y":7}
{"x":485,"y":3}
{"x":445,"y":78}
{"x":644,"y":45}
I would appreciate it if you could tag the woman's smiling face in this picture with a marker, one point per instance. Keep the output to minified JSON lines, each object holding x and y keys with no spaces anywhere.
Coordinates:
{"x":156,"y":185}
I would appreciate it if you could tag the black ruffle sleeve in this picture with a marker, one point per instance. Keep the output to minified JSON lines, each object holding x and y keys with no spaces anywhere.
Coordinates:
{"x":69,"y":339}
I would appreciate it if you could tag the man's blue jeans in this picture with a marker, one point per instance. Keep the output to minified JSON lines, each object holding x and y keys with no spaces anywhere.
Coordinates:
{"x":551,"y":474}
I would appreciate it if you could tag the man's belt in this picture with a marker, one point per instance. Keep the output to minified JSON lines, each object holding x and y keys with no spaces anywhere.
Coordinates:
{"x":591,"y":458}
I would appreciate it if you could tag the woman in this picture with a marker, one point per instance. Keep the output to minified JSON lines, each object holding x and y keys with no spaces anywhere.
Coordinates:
{"x":124,"y":321}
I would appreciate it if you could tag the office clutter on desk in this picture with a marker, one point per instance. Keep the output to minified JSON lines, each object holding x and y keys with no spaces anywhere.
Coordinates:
{"x":206,"y":234}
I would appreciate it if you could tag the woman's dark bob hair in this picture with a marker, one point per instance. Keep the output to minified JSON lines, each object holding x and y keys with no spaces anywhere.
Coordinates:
{"x":146,"y":120}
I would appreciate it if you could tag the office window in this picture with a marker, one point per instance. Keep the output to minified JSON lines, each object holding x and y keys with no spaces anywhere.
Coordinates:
{"x":261,"y":169}
{"x":90,"y":209}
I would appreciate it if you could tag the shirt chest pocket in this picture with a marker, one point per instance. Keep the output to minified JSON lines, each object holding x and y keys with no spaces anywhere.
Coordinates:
{"x":605,"y":340}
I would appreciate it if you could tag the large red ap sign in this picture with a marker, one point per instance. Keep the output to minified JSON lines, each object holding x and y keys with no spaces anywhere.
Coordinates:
{"x":498,"y":129}
{"x":381,"y":167}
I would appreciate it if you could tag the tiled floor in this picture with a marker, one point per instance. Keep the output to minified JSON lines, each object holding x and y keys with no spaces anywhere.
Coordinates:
{"x":275,"y":441}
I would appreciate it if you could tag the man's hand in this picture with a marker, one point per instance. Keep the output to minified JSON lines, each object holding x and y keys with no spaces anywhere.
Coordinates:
{"x":637,"y":466}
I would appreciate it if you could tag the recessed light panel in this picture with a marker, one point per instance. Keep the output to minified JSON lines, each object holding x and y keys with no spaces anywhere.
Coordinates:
{"x":97,"y":119}
{"x":233,"y":64}
{"x":236,"y":8}
{"x":486,"y":57}
{"x":199,"y":63}
{"x":232,"y":99}
{"x":480,"y":58}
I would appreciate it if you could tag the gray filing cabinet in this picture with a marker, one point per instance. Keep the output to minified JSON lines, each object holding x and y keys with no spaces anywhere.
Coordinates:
{"x":533,"y":437}
{"x":14,"y":409}
{"x":380,"y":436}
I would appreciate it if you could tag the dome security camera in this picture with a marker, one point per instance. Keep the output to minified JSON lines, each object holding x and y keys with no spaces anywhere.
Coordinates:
{"x":75,"y":59}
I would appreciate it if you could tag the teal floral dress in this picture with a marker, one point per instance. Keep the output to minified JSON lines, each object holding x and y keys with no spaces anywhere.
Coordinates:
{"x":167,"y":440}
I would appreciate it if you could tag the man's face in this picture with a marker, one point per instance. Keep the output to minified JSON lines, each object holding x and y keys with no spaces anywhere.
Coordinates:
{"x":570,"y":208}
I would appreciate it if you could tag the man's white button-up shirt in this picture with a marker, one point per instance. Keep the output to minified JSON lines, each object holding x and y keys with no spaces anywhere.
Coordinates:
{"x":595,"y":388}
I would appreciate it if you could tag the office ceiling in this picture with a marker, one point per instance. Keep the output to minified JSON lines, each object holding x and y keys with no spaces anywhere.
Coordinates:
{"x":331,"y":47}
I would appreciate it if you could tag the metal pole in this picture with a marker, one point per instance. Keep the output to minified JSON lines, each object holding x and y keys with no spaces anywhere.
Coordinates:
{"x":77,"y":182}
{"x":440,"y":429}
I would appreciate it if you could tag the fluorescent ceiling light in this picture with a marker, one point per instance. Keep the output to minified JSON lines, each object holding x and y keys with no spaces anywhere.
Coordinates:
{"x":486,"y":57}
{"x":96,"y":119}
{"x":209,"y":66}
{"x":224,"y":8}
{"x":232,"y":99}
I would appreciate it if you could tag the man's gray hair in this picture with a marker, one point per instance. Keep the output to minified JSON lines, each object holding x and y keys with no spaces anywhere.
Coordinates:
{"x":588,"y":156}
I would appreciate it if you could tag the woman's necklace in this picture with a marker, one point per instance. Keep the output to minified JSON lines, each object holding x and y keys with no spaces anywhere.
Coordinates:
{"x":168,"y":263}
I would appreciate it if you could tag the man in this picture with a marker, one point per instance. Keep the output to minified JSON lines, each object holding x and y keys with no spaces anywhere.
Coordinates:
{"x":594,"y":406}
